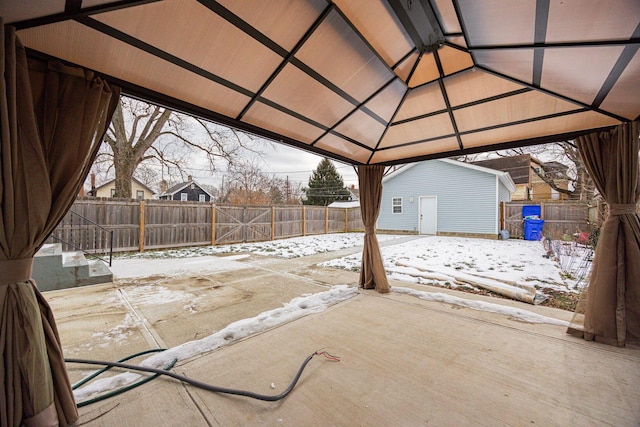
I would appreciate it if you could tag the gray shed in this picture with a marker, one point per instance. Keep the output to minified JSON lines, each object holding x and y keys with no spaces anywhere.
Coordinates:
{"x":444,"y":197}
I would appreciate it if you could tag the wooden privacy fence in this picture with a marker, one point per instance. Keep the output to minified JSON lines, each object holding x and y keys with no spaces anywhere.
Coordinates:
{"x":560,"y":218}
{"x":155,"y":224}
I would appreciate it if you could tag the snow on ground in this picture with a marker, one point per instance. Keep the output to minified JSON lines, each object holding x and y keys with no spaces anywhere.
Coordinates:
{"x":141,"y":267}
{"x":512,"y":313}
{"x":517,"y":262}
{"x":294,"y":309}
{"x":434,"y":260}
{"x":424,"y":260}
{"x":284,"y":248}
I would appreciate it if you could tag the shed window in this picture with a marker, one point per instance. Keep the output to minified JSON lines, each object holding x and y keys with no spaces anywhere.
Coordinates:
{"x":201,"y":198}
{"x":113,"y":192}
{"x":396,"y":205}
{"x":140,"y":195}
{"x":183,"y":197}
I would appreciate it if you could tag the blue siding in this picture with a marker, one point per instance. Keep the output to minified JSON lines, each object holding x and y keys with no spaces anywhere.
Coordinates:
{"x":504,"y":195}
{"x":466,"y":198}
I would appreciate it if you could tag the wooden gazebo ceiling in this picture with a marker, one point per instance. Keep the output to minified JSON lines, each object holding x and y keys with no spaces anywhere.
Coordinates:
{"x":364,"y":81}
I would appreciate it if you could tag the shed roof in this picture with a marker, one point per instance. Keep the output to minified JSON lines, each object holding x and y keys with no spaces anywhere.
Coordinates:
{"x":503,"y":177}
{"x":363,"y":81}
{"x":519,"y":167}
{"x":350,"y":204}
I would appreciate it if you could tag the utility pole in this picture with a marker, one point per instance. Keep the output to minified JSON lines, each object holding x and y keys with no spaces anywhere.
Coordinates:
{"x":222,"y":195}
{"x":287,"y":191}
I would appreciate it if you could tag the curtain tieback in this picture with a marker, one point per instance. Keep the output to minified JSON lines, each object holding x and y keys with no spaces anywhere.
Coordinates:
{"x":15,"y":270}
{"x":621,"y":209}
{"x":369,"y":230}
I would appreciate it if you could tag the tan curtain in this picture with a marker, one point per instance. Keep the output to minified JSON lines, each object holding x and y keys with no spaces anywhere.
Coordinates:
{"x":372,"y":274}
{"x":52,"y":119}
{"x":610,"y":313}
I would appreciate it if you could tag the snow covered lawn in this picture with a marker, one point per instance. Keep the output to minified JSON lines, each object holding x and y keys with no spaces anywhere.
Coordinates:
{"x":443,"y":261}
{"x":451,"y":262}
{"x":285,"y":248}
{"x":510,"y":260}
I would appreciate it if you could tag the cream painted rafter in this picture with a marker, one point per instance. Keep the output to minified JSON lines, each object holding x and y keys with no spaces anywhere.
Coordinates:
{"x":375,"y":81}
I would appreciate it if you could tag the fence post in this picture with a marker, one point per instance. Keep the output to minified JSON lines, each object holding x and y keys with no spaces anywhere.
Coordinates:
{"x":141,"y":226}
{"x":346,"y":220}
{"x":541,"y":210}
{"x":304,"y":220}
{"x":244,"y":224}
{"x":273,"y":223}
{"x":326,"y":220}
{"x":213,"y":224}
{"x":502,"y":208}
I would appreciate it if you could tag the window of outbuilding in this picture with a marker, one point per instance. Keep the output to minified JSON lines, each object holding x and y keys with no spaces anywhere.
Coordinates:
{"x":201,"y":198}
{"x":140,"y":195}
{"x":183,"y":197}
{"x":396,"y":205}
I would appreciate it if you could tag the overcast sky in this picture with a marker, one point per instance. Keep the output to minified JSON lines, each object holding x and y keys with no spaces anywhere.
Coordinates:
{"x":282,"y":160}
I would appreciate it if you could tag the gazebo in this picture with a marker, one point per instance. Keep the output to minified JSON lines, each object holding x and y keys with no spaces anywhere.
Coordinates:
{"x":369,"y":82}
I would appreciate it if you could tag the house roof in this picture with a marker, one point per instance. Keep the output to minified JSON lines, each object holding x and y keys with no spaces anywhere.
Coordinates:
{"x":519,"y":167}
{"x":503,"y":177}
{"x":350,"y":204}
{"x":106,"y":184}
{"x":178,"y":187}
{"x":355,"y":193}
{"x":362,"y":81}
{"x":555,"y":166}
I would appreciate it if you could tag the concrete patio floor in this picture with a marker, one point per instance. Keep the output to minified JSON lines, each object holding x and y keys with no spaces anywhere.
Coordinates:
{"x":404,"y":361}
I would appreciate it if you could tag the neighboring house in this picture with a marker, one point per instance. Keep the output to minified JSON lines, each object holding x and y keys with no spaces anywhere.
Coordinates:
{"x":529,"y":186}
{"x":138,"y":190}
{"x":444,"y":197}
{"x":540,"y":190}
{"x":354,"y":193}
{"x":187,"y":191}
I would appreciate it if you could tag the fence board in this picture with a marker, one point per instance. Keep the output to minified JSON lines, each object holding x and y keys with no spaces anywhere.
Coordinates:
{"x":315,"y":220}
{"x":354,"y":220}
{"x":176,"y":224}
{"x":560,"y":218}
{"x":288,"y":222}
{"x":170,"y":223}
{"x":337,"y":217}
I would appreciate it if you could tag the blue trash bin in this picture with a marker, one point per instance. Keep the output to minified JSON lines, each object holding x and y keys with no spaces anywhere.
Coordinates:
{"x":533,"y":229}
{"x":531,"y":210}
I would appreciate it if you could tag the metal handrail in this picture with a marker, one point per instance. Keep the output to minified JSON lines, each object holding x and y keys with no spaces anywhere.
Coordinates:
{"x":84,"y":230}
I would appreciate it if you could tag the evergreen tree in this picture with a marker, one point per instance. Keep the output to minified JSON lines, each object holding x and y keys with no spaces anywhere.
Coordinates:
{"x":325,"y":185}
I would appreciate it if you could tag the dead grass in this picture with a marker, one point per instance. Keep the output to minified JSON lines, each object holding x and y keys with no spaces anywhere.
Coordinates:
{"x":555,"y":298}
{"x":559,"y":299}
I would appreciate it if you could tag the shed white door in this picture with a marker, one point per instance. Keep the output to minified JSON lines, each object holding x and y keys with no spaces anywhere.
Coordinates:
{"x":428,"y":214}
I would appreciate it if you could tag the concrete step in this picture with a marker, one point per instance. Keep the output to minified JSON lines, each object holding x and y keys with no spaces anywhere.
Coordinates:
{"x":98,"y":273}
{"x":51,"y":250}
{"x":54,"y":269}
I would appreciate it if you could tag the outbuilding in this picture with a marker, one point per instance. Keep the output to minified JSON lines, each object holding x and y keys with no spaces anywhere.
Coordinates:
{"x":444,"y":197}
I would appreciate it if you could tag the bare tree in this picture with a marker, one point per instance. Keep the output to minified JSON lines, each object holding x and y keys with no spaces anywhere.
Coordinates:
{"x":145,"y":139}
{"x":248,"y":184}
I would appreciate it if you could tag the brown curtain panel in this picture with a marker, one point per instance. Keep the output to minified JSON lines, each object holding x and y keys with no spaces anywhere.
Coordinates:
{"x":372,"y":274}
{"x":52,"y":119}
{"x":610,"y":312}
